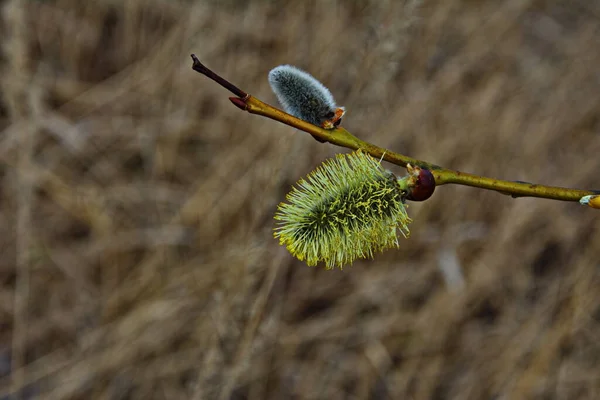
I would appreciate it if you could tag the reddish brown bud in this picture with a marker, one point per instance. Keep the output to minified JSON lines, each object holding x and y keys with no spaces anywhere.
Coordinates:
{"x":423,"y":184}
{"x":239,"y":103}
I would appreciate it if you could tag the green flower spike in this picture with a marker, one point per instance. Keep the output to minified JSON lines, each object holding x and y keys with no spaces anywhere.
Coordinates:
{"x":348,"y":208}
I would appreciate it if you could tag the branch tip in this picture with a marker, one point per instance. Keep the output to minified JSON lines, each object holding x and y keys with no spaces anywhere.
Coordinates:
{"x":591,"y":200}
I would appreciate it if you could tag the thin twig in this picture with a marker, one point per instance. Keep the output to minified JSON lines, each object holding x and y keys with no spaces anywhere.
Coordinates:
{"x":341,"y":137}
{"x":199,"y":67}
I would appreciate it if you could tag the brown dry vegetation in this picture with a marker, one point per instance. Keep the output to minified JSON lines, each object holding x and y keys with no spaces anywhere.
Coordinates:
{"x":136,"y":202}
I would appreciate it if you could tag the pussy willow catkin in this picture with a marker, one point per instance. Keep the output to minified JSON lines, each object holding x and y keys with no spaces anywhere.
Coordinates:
{"x":348,"y":208}
{"x":304,"y":97}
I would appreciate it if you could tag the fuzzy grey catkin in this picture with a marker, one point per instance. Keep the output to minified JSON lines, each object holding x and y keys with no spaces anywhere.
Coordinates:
{"x":304,"y":97}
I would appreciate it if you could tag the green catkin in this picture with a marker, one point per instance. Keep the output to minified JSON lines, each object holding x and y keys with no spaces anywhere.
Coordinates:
{"x":348,"y":208}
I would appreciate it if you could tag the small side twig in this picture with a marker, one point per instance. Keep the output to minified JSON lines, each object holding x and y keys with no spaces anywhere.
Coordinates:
{"x":199,"y":67}
{"x":341,"y":137}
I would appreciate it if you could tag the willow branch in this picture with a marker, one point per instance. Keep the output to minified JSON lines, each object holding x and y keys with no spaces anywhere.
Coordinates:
{"x":341,"y":137}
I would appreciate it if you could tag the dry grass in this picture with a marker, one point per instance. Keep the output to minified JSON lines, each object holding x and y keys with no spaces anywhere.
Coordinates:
{"x":136,"y":202}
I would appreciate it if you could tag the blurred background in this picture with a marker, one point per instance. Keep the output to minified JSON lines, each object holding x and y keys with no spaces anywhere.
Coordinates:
{"x":136,"y":202}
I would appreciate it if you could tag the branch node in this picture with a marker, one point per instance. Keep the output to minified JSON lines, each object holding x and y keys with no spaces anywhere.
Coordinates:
{"x":239,"y":103}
